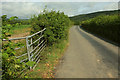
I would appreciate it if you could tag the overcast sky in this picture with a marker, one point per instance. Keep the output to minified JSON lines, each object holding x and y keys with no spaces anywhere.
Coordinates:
{"x":26,"y":9}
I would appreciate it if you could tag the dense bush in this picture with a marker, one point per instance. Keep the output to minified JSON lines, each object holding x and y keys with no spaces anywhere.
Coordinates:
{"x":56,"y":24}
{"x":106,"y":26}
{"x":11,"y":66}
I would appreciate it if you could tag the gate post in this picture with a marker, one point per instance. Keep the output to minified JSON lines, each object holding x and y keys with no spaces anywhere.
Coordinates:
{"x":31,"y":48}
{"x":28,"y":50}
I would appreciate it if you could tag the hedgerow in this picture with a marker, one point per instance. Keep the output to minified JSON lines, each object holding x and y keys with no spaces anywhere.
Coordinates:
{"x":106,"y":26}
{"x":11,"y":66}
{"x":56,"y":24}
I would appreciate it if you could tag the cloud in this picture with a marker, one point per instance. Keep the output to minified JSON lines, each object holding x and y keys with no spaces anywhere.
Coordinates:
{"x":60,"y":0}
{"x":0,"y":9}
{"x":27,"y":9}
{"x":111,"y":6}
{"x":97,"y":6}
{"x":119,"y":5}
{"x":20,"y":9}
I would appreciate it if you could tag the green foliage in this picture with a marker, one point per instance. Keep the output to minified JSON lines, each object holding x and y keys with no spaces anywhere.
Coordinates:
{"x":4,"y":17}
{"x":30,"y":63}
{"x":14,"y":20}
{"x":56,"y":24}
{"x":24,"y":21}
{"x":104,"y":26}
{"x":49,"y":59}
{"x":10,"y":65}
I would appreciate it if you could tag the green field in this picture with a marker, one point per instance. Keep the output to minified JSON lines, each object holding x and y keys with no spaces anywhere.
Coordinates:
{"x":20,"y":29}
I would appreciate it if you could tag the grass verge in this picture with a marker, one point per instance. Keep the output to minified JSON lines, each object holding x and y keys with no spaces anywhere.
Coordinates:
{"x":50,"y":58}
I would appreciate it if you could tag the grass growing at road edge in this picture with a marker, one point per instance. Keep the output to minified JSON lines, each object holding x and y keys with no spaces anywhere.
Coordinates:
{"x":50,"y":59}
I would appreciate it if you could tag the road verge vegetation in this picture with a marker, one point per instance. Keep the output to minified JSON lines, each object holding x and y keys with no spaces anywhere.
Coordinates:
{"x":11,"y":67}
{"x":105,"y":26}
{"x":57,"y":26}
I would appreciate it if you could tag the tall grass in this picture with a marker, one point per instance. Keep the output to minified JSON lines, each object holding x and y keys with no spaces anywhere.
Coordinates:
{"x":106,"y":26}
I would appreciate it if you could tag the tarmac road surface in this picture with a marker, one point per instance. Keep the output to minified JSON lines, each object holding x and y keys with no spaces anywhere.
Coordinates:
{"x":88,"y":57}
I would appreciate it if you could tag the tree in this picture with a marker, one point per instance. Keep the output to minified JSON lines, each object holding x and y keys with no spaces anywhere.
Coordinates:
{"x":56,"y":24}
{"x":4,"y":17}
{"x":13,"y":18}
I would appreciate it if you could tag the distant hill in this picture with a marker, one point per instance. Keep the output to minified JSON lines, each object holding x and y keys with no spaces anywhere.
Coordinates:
{"x":82,"y":17}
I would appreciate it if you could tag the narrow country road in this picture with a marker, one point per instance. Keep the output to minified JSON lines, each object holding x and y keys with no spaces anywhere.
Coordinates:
{"x":88,"y":57}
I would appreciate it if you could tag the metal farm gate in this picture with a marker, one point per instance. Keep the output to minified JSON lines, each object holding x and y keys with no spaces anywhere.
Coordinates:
{"x":35,"y":44}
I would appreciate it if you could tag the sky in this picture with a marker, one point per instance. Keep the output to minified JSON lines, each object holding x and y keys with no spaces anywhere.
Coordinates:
{"x":25,"y":8}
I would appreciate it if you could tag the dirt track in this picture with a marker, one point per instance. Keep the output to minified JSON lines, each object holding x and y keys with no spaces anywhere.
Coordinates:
{"x":88,"y":57}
